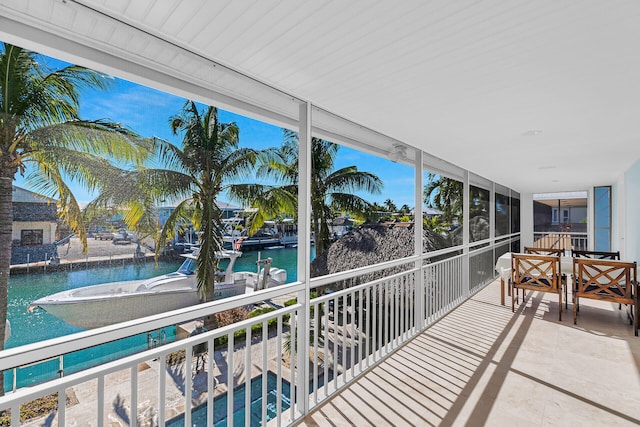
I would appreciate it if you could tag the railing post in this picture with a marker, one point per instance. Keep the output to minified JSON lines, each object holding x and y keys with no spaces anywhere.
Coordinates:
{"x":304,"y":256}
{"x":419,"y":242}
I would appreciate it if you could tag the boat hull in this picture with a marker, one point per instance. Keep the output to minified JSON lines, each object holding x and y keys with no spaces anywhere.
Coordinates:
{"x":102,"y":305}
{"x":95,"y":313}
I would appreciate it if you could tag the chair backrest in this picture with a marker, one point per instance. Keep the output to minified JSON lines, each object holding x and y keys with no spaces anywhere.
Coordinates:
{"x":539,"y":272}
{"x":543,"y":251}
{"x":596,"y":254}
{"x":607,"y":280}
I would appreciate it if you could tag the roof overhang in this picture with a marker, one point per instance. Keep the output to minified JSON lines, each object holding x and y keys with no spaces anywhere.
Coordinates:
{"x":539,"y":96}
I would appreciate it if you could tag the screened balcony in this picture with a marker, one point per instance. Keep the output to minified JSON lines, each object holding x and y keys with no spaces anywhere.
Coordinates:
{"x":484,"y":365}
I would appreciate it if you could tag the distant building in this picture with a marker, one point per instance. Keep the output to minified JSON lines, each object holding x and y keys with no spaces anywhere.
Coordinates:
{"x":228,"y":211}
{"x":188,"y":234}
{"x":35,"y":222}
{"x":341,"y":226}
{"x":431,"y":212}
{"x":555,"y":212}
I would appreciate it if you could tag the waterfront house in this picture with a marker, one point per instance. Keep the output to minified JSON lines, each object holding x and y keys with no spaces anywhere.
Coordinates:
{"x":35,"y":222}
{"x":228,"y":211}
{"x":511,"y":99}
{"x":562,"y":218}
{"x":188,"y":235}
{"x":341,"y":226}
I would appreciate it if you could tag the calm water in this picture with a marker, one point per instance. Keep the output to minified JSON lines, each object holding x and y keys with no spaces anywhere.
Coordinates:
{"x":39,"y":325}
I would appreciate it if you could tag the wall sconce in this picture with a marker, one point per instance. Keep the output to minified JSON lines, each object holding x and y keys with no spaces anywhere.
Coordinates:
{"x":398,"y":152}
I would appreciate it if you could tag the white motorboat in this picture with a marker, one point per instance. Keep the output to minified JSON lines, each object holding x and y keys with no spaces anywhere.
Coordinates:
{"x":105,"y":304}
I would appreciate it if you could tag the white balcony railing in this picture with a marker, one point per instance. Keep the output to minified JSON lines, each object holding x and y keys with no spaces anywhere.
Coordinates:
{"x":565,"y":241}
{"x":200,"y":380}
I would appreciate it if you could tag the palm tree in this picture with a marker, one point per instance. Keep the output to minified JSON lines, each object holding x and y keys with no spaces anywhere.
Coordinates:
{"x":209,"y":164}
{"x":390,"y":206}
{"x":330,"y":189}
{"x":444,"y":194}
{"x":40,"y":130}
{"x":436,"y":224}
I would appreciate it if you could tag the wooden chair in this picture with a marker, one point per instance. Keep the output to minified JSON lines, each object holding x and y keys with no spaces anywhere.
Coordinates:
{"x":606,"y":280}
{"x":537,"y":273}
{"x":543,"y":251}
{"x":551,"y":252}
{"x":596,"y":255}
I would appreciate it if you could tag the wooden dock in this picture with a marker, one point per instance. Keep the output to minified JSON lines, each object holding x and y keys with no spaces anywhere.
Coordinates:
{"x":79,"y":264}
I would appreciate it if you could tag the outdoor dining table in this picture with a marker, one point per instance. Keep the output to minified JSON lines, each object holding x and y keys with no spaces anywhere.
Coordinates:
{"x":503,"y":268}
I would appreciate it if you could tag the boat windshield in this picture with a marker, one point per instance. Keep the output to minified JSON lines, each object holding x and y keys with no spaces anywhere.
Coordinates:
{"x":188,"y":266}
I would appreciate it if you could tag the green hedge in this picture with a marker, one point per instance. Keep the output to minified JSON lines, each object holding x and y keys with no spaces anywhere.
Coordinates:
{"x":255,"y":329}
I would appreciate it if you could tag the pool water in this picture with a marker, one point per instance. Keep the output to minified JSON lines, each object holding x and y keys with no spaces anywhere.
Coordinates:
{"x":199,"y":413}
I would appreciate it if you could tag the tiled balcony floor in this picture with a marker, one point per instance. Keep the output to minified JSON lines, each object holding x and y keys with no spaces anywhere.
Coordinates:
{"x":483,"y":365}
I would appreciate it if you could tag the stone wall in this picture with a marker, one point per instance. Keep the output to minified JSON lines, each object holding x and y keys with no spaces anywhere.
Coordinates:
{"x":35,"y":253}
{"x":34,"y":212}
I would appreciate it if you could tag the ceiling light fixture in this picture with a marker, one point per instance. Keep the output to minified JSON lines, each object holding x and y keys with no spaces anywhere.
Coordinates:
{"x":398,"y":152}
{"x":532,"y":132}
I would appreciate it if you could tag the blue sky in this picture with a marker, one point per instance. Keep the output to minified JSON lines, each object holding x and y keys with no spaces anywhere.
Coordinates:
{"x":147,"y":112}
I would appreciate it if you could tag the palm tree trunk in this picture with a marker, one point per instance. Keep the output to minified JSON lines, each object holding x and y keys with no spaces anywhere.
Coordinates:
{"x":210,"y":243}
{"x":324,"y":232}
{"x":315,"y":220}
{"x":6,"y":221}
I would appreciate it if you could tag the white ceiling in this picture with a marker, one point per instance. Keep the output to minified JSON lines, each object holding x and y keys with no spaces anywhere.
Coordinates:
{"x":538,"y":95}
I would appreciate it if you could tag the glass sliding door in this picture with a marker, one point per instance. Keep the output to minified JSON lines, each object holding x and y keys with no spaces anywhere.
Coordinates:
{"x":602,"y":218}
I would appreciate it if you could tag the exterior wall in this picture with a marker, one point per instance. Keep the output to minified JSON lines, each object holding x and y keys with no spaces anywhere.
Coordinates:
{"x":578,"y":217}
{"x":32,"y":212}
{"x":163,"y":214}
{"x":28,"y":254}
{"x":48,"y":230}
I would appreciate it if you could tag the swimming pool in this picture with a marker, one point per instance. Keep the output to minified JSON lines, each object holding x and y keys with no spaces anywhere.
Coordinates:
{"x":199,"y":413}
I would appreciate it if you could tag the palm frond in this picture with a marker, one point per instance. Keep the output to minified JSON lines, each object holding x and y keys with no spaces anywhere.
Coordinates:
{"x":350,"y":203}
{"x":238,"y":164}
{"x":351,"y":179}
{"x":270,"y":202}
{"x":48,"y":180}
{"x":170,"y":156}
{"x":179,"y":215}
{"x":93,"y":137}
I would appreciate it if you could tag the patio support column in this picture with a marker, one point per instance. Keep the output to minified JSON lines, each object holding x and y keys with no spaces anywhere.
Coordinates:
{"x":492,"y":213}
{"x":466,"y":233}
{"x":304,"y":256}
{"x":591,"y":229}
{"x":526,"y":220}
{"x":419,"y":241}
